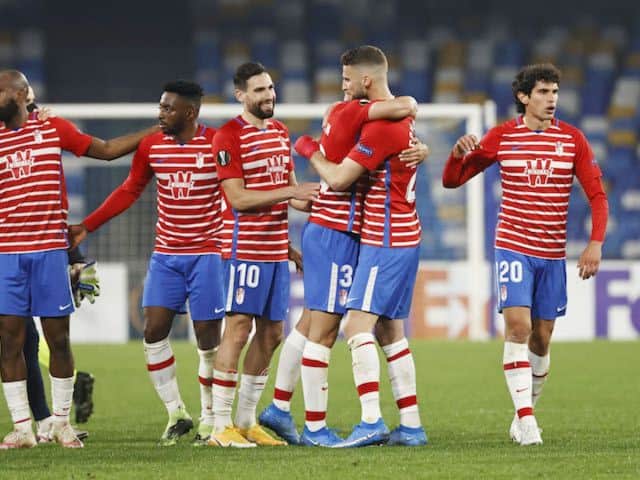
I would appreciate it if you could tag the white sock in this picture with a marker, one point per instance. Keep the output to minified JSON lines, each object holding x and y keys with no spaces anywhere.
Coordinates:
{"x":251,"y":388}
{"x":288,"y":369}
{"x":205,"y":378}
{"x":315,"y":373}
{"x":161,"y":365}
{"x":223,"y":392}
{"x":61,"y":398}
{"x":539,"y":371}
{"x":18,"y":402}
{"x":517,"y":372}
{"x":366,"y":374}
{"x":402,"y":374}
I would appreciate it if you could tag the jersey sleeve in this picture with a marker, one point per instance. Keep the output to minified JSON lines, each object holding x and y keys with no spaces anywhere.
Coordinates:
{"x":378,"y":141}
{"x":458,"y":171}
{"x":71,"y":139}
{"x":585,"y":165}
{"x":226,"y":151}
{"x":358,"y":111}
{"x":126,"y":194}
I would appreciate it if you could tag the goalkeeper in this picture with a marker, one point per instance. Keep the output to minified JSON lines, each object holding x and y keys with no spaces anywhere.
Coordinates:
{"x":85,"y":284}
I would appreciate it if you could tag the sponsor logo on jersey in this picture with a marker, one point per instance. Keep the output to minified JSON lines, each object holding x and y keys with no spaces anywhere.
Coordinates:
{"x":19,"y":163}
{"x":276,"y":167}
{"x":180,"y":184}
{"x":538,"y":171}
{"x":364,"y":149}
{"x":224,"y":158}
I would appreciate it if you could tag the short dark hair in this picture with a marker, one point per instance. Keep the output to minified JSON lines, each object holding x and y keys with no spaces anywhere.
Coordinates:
{"x":245,"y":71}
{"x":527,"y":78}
{"x":364,"y":55}
{"x":184,"y":88}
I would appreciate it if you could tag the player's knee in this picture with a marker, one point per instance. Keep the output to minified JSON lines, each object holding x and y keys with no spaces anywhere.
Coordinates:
{"x":59,"y":344}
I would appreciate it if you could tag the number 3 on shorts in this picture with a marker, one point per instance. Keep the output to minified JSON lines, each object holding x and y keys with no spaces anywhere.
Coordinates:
{"x":509,"y":271}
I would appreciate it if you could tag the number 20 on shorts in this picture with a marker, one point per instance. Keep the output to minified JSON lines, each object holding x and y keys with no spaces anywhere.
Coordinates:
{"x":509,"y":271}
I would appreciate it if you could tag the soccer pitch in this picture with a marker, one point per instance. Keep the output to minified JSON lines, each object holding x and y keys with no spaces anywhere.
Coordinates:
{"x":589,"y":412}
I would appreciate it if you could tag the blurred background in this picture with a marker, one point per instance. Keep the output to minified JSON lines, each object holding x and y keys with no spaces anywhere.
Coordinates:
{"x":439,"y":52}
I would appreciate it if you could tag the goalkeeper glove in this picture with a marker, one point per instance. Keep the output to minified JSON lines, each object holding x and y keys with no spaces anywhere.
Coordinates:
{"x":85,"y":282}
{"x":306,"y":146}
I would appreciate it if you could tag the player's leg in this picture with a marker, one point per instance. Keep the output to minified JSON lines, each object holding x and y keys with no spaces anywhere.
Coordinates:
{"x":277,"y":416}
{"x":516,"y":283}
{"x":540,"y":355}
{"x":315,"y":375}
{"x":35,"y":386}
{"x":14,"y":383}
{"x":164,"y":295}
{"x":273,"y":289}
{"x":225,"y":379}
{"x":52,"y":301}
{"x":402,"y":375}
{"x":205,"y":280}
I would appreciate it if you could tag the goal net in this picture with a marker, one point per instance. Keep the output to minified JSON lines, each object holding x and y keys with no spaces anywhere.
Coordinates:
{"x":452,"y":295}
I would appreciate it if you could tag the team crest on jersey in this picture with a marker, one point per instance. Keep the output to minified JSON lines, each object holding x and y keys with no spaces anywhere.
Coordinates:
{"x":180,"y":184}
{"x":240,"y":295}
{"x":37,"y":136}
{"x":559,"y":148}
{"x":503,"y":292}
{"x":224,"y":158}
{"x":342,"y":296}
{"x":538,"y":171}
{"x":283,"y":143}
{"x":276,"y":168}
{"x":199,"y":160}
{"x":19,"y":163}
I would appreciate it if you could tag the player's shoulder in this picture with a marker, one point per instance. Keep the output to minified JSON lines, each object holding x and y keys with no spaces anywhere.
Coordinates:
{"x":153,"y":139}
{"x":278,"y":125}
{"x":567,"y":128}
{"x":230,"y":129}
{"x":208,"y":132}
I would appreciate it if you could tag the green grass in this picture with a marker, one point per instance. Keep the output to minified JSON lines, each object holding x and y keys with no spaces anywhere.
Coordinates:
{"x":590,"y":412}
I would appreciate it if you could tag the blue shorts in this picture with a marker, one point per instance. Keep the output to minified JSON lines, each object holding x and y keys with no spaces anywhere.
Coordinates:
{"x":172,"y":279}
{"x":537,"y":283}
{"x":384,"y":280}
{"x":35,"y":284}
{"x":260,"y":289}
{"x":329,"y":258}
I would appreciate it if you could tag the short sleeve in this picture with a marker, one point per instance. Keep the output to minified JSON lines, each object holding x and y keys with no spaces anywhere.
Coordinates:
{"x":379,"y":140}
{"x":71,"y":139}
{"x":226,"y":151}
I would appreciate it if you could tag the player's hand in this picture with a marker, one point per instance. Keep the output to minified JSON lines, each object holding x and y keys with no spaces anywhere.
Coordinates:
{"x":306,"y":146}
{"x":84,"y":282}
{"x":589,"y":261}
{"x":77,"y":233}
{"x":296,"y":257}
{"x":464,"y":145}
{"x":44,"y":113}
{"x":307,"y":191}
{"x":415,"y":155}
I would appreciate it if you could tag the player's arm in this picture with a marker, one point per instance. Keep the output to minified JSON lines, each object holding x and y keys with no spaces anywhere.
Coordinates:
{"x":119,"y":146}
{"x":244,"y":199}
{"x":394,"y":109}
{"x":120,"y":199}
{"x":590,"y":179}
{"x":339,"y":176}
{"x":468,"y":158}
{"x":303,"y":206}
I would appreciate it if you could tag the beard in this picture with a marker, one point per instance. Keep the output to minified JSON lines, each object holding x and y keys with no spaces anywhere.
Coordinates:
{"x":359,"y":95}
{"x":256,"y":110}
{"x":9,"y":110}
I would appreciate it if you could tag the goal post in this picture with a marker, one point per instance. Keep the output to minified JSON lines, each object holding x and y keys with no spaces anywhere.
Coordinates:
{"x":476,"y":119}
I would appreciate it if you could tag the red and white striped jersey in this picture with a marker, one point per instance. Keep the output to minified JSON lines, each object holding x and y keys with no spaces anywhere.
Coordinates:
{"x":33,"y":195}
{"x":390,"y":218}
{"x":341,"y":210}
{"x":537,"y":170}
{"x":189,"y":219}
{"x":262,"y":158}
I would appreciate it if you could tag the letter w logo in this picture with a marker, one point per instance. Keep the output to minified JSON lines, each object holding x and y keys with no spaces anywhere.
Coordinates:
{"x":180,"y":184}
{"x":20,"y":163}
{"x":538,"y":171}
